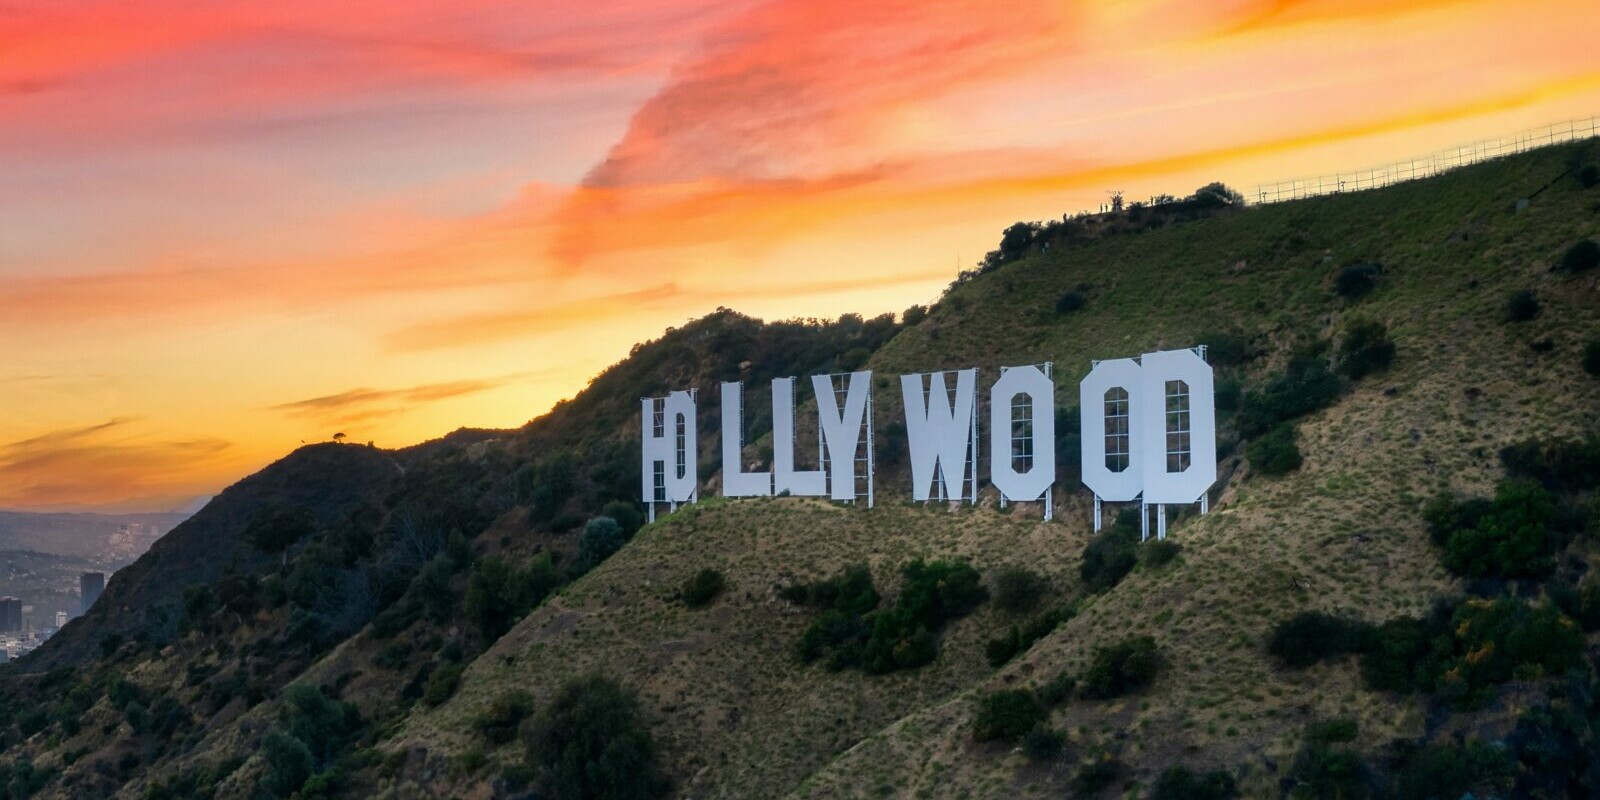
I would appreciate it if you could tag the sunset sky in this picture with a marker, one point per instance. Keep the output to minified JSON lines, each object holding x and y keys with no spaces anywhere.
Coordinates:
{"x":228,"y":228}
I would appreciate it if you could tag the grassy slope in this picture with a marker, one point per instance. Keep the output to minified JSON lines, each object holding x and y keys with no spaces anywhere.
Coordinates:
{"x":737,"y":718}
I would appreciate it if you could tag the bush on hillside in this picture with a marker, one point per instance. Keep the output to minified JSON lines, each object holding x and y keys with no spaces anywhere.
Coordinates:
{"x":1181,"y":783}
{"x":626,"y":514}
{"x":1093,"y":777}
{"x":274,"y":528}
{"x":1018,"y":590}
{"x":1512,"y":538}
{"x":702,"y":588}
{"x":1125,"y":667}
{"x":1158,"y":553}
{"x":1560,"y":465}
{"x":591,"y":742}
{"x":1356,"y":280}
{"x":1522,"y":306}
{"x":499,"y":722}
{"x":1056,"y":690}
{"x":1111,"y":554}
{"x":1451,"y":770}
{"x":1591,"y":357}
{"x":601,"y":537}
{"x":1305,"y":386}
{"x":1324,"y":770}
{"x":854,"y":632}
{"x":1021,"y":637}
{"x":1366,"y":349}
{"x":441,"y":684}
{"x":499,"y":594}
{"x":1581,"y":257}
{"x":1312,"y":636}
{"x":1227,"y":348}
{"x":1070,"y":301}
{"x":913,"y":315}
{"x":1275,"y":452}
{"x":1007,"y":715}
{"x":1043,"y":743}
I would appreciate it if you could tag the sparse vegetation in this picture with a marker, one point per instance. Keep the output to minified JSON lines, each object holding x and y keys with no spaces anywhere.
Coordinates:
{"x":499,"y":722}
{"x":1018,"y":590}
{"x":1181,"y":783}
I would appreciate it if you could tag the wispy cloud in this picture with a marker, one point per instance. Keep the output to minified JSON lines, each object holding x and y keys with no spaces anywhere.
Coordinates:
{"x":364,"y":404}
{"x":105,"y":463}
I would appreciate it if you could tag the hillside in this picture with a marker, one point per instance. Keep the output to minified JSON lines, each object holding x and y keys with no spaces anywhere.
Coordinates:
{"x":474,"y":581}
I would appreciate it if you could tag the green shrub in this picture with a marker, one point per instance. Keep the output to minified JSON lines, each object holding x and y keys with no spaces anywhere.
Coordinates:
{"x":1325,"y":773}
{"x":854,"y":632}
{"x":1591,"y":357}
{"x":499,"y":594}
{"x":1057,"y":689}
{"x":1125,"y":667}
{"x":1017,"y":590}
{"x":1093,"y":777}
{"x":1312,"y":636}
{"x":591,"y":742}
{"x":1581,"y":257}
{"x":1070,"y":302}
{"x":1589,"y":176}
{"x":1111,"y":554}
{"x":1157,"y":553}
{"x":1275,"y":452}
{"x":1181,"y":783}
{"x":626,"y":514}
{"x":1402,"y":654}
{"x":1449,"y":770}
{"x":1366,"y":349}
{"x":499,"y":722}
{"x":1513,"y":538}
{"x":1043,"y":743}
{"x":913,"y":315}
{"x":1020,"y":638}
{"x":1227,"y":349}
{"x":1357,"y":280}
{"x":1561,"y":465}
{"x":702,"y":588}
{"x":601,"y":537}
{"x":1522,"y":306}
{"x":1305,"y":386}
{"x":289,"y":763}
{"x":1497,"y":640}
{"x":1007,"y":715}
{"x":441,"y":684}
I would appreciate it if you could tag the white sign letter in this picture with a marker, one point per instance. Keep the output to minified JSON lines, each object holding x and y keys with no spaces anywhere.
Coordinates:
{"x":669,"y":469}
{"x":941,"y":434}
{"x":735,"y":481}
{"x":785,"y":478}
{"x":1004,"y":433}
{"x":1107,"y":401}
{"x":1179,"y":427}
{"x":841,"y":429}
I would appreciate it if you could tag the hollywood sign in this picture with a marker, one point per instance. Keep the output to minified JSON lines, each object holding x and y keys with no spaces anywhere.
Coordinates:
{"x":1148,"y":428}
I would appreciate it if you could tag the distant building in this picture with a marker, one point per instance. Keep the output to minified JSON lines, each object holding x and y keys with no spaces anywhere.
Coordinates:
{"x":10,"y":614}
{"x":61,"y":619}
{"x":90,"y":585}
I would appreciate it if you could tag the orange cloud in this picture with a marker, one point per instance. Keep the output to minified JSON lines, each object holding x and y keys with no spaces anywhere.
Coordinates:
{"x":363,"y":405}
{"x":105,"y":464}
